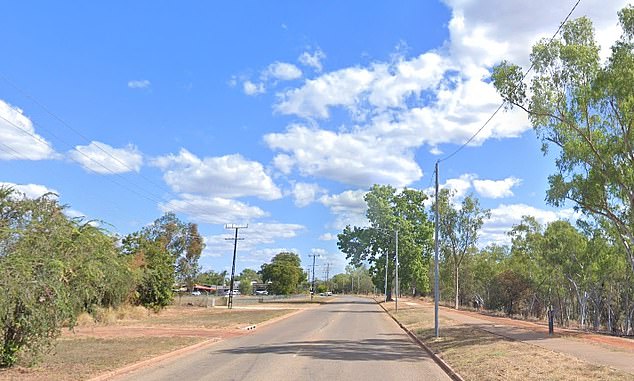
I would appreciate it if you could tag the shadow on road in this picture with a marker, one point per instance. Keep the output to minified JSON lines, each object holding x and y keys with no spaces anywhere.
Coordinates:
{"x":342,"y":350}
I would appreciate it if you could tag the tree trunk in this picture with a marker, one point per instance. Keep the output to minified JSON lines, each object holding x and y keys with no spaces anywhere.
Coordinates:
{"x":457,"y":289}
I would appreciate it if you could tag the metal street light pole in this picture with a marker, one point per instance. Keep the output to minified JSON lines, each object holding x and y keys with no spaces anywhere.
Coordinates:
{"x":387,"y":260}
{"x":397,"y":285}
{"x":436,"y":290}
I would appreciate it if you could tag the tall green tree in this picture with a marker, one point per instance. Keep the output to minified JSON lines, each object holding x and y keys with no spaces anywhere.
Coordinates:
{"x":584,"y":110}
{"x":284,"y":272}
{"x":459,"y":228}
{"x":389,"y":211}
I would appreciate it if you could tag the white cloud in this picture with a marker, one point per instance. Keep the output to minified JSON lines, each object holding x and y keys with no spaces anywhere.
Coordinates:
{"x":18,"y":138}
{"x":251,"y":88}
{"x":213,"y":210}
{"x":496,"y":188}
{"x":31,"y":191}
{"x":349,"y":208}
{"x":225,"y":176}
{"x":282,"y":71}
{"x":460,"y":185}
{"x":139,"y":84}
{"x":261,"y":256}
{"x":328,"y":237}
{"x":313,"y":60}
{"x":352,"y":158}
{"x":437,"y":97}
{"x":339,"y":88}
{"x":103,"y":159}
{"x":505,"y":216}
{"x":254,"y":238}
{"x":305,"y":193}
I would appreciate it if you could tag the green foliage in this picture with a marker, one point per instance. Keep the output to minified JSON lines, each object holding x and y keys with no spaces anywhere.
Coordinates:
{"x":585,"y":111}
{"x":459,"y":229}
{"x":508,"y":289}
{"x":390,"y":211}
{"x":246,"y":277}
{"x":163,"y":252}
{"x":284,"y":272}
{"x":51,"y":269}
{"x":211,"y":278}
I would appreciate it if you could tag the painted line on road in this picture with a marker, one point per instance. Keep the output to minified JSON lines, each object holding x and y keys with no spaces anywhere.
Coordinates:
{"x":443,"y":365}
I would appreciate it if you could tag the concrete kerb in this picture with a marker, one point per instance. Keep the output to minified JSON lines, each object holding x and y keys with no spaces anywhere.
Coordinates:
{"x":448,"y":369}
{"x":154,"y":360}
{"x":179,"y":352}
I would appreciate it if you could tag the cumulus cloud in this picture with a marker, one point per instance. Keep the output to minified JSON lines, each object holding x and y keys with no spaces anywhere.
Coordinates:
{"x":31,"y":191}
{"x":313,"y":59}
{"x":353,"y":158}
{"x":225,"y":176}
{"x":18,"y":137}
{"x":139,"y":84}
{"x":255,"y":237}
{"x":348,"y":207}
{"x":251,"y":88}
{"x":436,"y":97}
{"x":328,"y":237}
{"x":505,"y":216}
{"x":213,"y":210}
{"x":103,"y":159}
{"x":282,"y":71}
{"x":496,"y":188}
{"x":305,"y":193}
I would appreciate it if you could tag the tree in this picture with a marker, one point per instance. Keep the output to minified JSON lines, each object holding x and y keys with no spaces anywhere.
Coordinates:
{"x":564,"y":248}
{"x":187,"y":267}
{"x":163,"y":252}
{"x":583,"y":109}
{"x":390,"y":211}
{"x":51,"y":269}
{"x":284,"y":272}
{"x":458,"y":230}
{"x":508,"y":288}
{"x":212,"y":278}
{"x":246,"y":277}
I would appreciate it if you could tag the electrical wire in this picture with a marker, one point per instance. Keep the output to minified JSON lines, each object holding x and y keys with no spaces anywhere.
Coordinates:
{"x":502,"y":105}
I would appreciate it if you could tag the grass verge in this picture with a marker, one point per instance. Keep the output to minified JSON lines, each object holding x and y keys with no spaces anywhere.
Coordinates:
{"x":80,"y":358}
{"x":479,"y":355}
{"x":85,"y":355}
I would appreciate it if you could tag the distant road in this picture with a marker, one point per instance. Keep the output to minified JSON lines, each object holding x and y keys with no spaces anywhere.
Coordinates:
{"x":348,"y":339}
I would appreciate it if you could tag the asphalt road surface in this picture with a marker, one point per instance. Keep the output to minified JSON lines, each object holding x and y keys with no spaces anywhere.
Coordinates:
{"x":348,"y":339}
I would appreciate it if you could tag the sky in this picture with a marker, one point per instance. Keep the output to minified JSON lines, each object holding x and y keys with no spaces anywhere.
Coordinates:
{"x":279,"y":115}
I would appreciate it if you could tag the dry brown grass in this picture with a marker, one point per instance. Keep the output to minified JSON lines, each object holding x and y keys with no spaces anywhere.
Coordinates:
{"x":207,"y":317}
{"x":479,"y":355}
{"x":82,"y":358}
{"x":79,"y":357}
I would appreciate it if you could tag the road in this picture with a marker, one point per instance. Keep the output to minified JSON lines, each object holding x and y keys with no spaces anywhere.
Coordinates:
{"x":348,"y":339}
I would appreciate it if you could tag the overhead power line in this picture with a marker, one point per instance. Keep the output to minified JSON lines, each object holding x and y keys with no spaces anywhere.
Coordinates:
{"x":153,"y":197}
{"x":502,"y":104}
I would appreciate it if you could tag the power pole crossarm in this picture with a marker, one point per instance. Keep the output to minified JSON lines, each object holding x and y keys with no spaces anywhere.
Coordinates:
{"x":233,"y":263}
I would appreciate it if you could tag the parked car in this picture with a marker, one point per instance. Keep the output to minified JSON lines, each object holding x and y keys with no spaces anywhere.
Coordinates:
{"x":261,"y":292}
{"x":235,"y":293}
{"x":196,"y":293}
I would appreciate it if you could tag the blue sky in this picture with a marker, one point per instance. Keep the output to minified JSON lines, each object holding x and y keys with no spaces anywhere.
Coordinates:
{"x":277,"y":114}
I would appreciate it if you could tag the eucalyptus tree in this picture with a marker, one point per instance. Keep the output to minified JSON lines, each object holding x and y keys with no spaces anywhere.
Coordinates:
{"x":584,"y":110}
{"x":459,"y":228}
